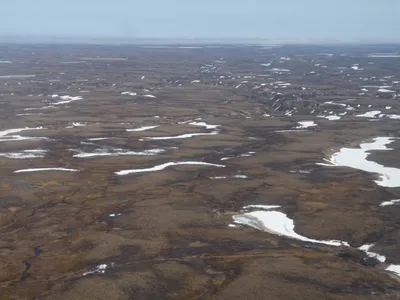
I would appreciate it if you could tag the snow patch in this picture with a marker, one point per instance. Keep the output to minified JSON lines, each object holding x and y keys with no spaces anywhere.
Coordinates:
{"x":67,"y":99}
{"x":370,"y":114}
{"x":394,"y":268}
{"x":129,"y":93}
{"x":331,"y":117}
{"x":114,"y":215}
{"x":334,"y":103}
{"x":278,"y":223}
{"x":100,"y":269}
{"x":385,"y":91}
{"x":366,"y":249}
{"x":5,"y":137}
{"x":77,"y":124}
{"x":391,"y":202}
{"x":204,"y":124}
{"x":394,"y":117}
{"x":306,"y":124}
{"x":357,"y":159}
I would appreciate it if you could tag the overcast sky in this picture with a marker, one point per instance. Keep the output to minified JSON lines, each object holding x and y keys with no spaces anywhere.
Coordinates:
{"x":282,"y":19}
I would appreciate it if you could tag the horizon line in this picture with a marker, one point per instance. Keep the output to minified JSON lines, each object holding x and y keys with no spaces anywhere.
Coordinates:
{"x":92,"y":39}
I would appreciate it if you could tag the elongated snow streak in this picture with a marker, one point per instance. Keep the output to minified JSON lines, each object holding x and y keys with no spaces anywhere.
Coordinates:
{"x":166,"y":165}
{"x":143,"y":128}
{"x":129,"y":93}
{"x":12,"y":138}
{"x":334,"y":103}
{"x":259,"y":206}
{"x":28,"y":114}
{"x":98,"y":139}
{"x":182,"y":136}
{"x":290,"y":130}
{"x":4,"y":135}
{"x":9,"y":131}
{"x":16,"y":76}
{"x":394,"y":117}
{"x":24,"y":154}
{"x":239,"y":176}
{"x":370,"y":114}
{"x":331,"y":117}
{"x":204,"y":124}
{"x":385,"y":91}
{"x":45,"y":169}
{"x":66,"y":99}
{"x":100,"y":269}
{"x":118,"y":152}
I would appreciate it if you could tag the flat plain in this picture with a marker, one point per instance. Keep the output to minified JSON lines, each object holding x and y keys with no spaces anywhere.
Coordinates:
{"x":199,"y":172}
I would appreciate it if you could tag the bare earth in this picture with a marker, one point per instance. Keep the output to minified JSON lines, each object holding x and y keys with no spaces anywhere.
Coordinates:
{"x":165,"y":234}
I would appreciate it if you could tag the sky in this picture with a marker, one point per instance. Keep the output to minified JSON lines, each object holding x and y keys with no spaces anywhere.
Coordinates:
{"x":265,"y":19}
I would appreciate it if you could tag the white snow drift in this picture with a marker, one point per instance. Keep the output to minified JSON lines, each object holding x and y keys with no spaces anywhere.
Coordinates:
{"x":166,"y":165}
{"x":357,"y":159}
